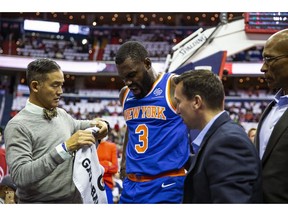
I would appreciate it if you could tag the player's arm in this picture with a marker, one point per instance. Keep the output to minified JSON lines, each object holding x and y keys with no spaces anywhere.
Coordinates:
{"x":172,"y":89}
{"x":123,"y":159}
{"x":122,"y":94}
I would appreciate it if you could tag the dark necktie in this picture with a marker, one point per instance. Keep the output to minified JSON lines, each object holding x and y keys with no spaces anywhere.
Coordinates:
{"x":49,"y":114}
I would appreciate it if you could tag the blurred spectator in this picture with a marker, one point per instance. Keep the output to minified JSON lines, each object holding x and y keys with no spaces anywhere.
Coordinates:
{"x":251,"y":134}
{"x":117,"y":127}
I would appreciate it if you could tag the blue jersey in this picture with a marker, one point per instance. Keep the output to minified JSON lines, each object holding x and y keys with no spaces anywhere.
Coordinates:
{"x":158,"y":138}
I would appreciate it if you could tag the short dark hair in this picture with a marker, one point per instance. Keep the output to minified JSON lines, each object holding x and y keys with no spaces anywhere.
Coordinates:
{"x":38,"y":69}
{"x":133,"y":49}
{"x":204,"y":83}
{"x":250,"y":131}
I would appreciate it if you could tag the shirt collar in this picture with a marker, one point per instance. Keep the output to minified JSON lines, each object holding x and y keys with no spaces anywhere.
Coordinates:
{"x":33,"y":108}
{"x":198,"y":140}
{"x":281,"y":99}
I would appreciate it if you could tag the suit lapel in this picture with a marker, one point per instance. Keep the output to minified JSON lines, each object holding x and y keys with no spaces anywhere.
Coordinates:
{"x":278,"y":130}
{"x":218,"y":122}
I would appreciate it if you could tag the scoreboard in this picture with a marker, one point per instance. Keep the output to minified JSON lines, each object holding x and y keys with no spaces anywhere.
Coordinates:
{"x":265,"y":22}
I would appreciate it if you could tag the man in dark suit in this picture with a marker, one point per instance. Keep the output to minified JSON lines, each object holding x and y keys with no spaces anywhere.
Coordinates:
{"x":272,"y":133}
{"x":226,"y":167}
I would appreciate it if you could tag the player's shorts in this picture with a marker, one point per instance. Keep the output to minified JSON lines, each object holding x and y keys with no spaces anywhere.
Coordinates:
{"x":168,"y":189}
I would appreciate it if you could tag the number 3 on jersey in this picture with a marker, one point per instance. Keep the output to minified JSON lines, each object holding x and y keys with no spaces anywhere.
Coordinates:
{"x":142,"y":130}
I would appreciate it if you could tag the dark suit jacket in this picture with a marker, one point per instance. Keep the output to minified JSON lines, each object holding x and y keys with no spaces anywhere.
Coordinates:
{"x":275,"y":160}
{"x":227,"y":168}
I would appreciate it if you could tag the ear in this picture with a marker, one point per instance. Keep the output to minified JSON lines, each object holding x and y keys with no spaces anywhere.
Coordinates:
{"x":197,"y":102}
{"x":34,"y":85}
{"x":147,"y":63}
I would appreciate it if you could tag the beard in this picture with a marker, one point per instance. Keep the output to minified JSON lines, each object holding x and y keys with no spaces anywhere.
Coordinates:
{"x":145,"y":85}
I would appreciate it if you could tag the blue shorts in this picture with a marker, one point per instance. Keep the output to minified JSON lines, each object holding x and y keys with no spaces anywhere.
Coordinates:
{"x":160,"y":190}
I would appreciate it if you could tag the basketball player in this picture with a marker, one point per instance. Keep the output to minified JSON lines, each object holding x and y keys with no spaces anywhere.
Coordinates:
{"x":156,"y":143}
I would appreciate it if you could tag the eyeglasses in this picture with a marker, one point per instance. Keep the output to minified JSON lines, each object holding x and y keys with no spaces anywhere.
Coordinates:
{"x":269,"y":60}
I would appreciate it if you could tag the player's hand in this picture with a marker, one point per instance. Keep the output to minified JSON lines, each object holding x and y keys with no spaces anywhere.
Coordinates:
{"x":123,"y":173}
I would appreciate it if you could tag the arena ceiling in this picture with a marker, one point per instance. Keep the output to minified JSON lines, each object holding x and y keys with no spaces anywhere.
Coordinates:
{"x":110,"y":19}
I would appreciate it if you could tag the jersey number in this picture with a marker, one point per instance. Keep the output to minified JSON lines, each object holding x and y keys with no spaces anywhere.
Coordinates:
{"x":142,"y":130}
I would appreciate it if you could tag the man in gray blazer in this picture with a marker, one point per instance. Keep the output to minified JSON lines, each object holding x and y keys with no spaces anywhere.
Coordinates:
{"x":272,"y":133}
{"x":226,"y":167}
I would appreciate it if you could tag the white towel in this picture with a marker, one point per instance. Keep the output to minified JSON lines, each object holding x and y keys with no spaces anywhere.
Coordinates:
{"x":88,"y":174}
